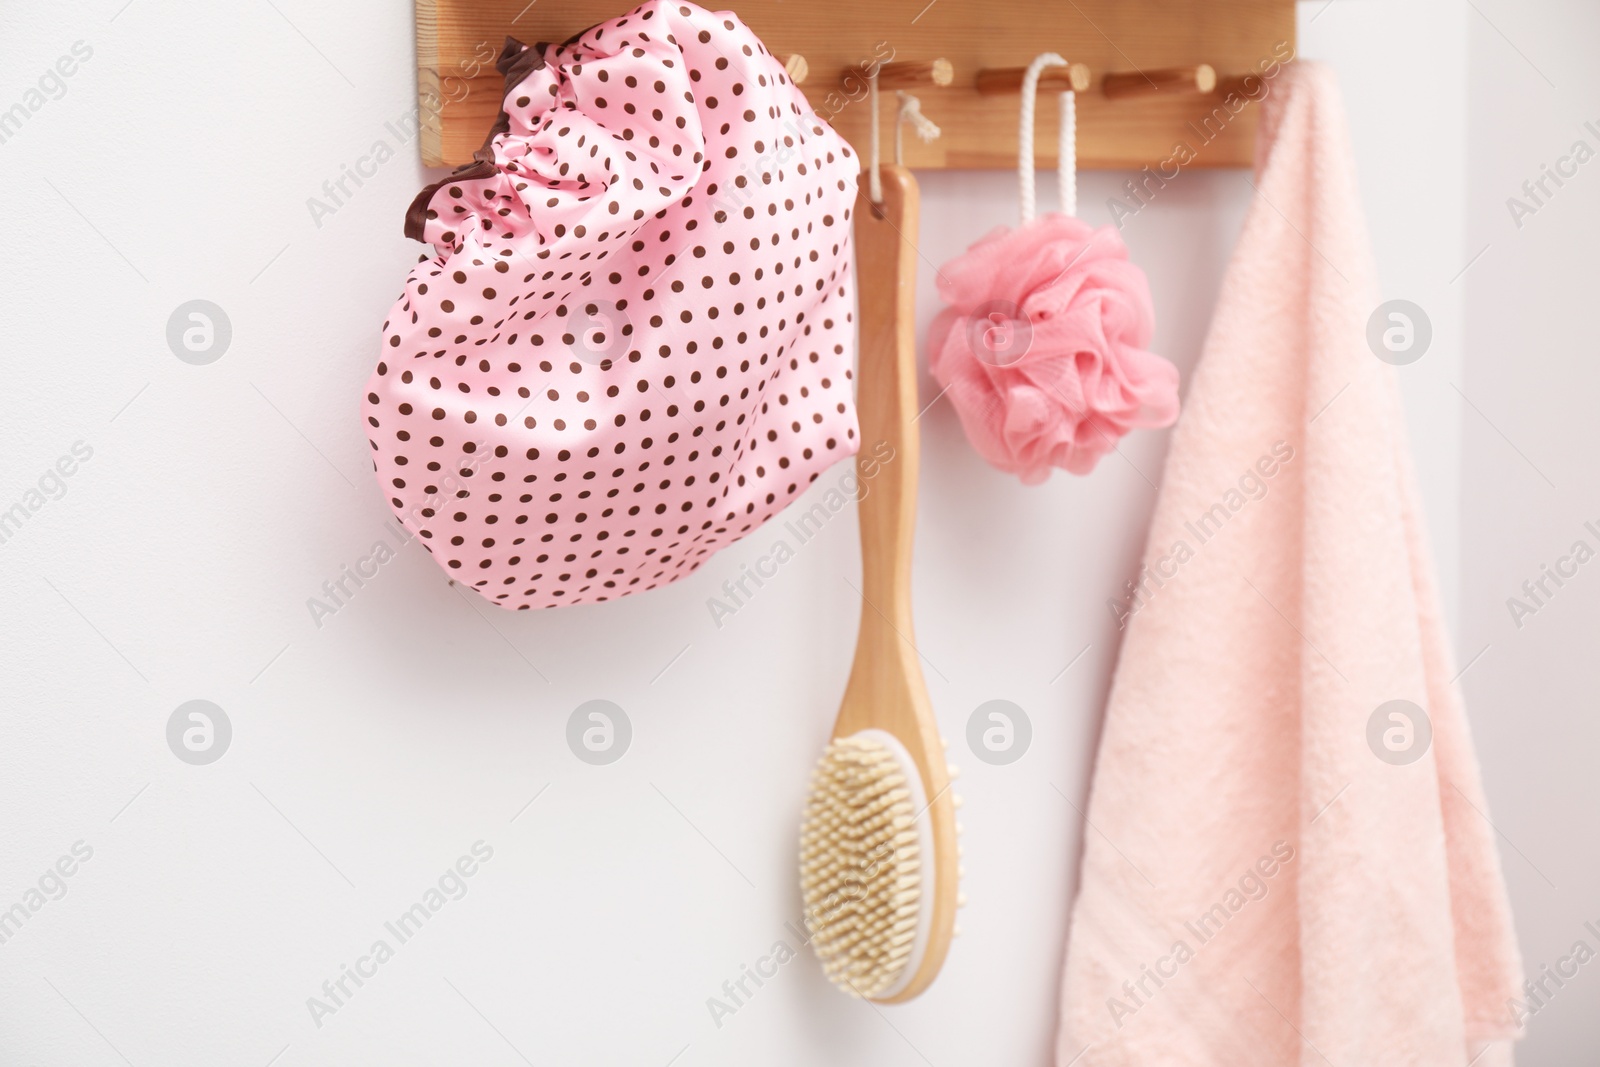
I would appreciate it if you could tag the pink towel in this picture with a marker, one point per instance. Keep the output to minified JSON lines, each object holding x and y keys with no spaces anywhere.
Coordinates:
{"x":1282,"y":866}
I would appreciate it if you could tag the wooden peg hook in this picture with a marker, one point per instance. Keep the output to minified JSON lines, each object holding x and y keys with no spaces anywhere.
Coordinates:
{"x":919,"y":74}
{"x":797,"y":68}
{"x":1250,"y":86}
{"x":1129,"y":84}
{"x":1074,"y":76}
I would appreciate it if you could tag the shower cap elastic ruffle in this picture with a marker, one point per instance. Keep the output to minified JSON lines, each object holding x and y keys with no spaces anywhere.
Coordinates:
{"x":632,"y":345}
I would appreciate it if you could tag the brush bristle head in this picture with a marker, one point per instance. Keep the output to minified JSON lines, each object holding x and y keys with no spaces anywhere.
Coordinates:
{"x":860,"y":866}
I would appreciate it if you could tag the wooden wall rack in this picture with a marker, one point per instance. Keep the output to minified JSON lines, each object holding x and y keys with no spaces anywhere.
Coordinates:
{"x":1155,"y":75}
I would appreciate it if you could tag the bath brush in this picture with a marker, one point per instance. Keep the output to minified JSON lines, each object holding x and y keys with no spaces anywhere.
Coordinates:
{"x":878,"y":854}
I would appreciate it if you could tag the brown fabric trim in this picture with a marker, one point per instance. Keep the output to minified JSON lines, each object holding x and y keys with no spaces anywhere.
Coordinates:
{"x":417,"y":213}
{"x":516,"y":62}
{"x":516,"y":65}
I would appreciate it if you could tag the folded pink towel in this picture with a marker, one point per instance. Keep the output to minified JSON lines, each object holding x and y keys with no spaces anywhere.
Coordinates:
{"x":1282,"y":866}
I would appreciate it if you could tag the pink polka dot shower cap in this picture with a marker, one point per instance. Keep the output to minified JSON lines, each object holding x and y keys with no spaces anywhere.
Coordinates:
{"x":632,"y":345}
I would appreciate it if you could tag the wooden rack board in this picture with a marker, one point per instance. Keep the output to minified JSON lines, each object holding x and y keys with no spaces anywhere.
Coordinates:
{"x":459,"y":88}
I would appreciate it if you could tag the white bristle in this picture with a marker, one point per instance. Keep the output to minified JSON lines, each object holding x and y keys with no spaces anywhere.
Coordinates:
{"x":861,"y":862}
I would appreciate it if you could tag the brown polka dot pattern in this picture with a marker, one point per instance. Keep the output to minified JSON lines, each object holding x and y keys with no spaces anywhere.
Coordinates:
{"x":632,"y":345}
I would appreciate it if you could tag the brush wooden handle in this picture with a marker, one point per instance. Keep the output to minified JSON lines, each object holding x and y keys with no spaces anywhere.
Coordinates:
{"x":886,"y":689}
{"x":886,"y":392}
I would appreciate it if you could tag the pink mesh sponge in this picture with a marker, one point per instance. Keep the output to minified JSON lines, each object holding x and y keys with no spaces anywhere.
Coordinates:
{"x":1042,"y":347}
{"x":632,"y":345}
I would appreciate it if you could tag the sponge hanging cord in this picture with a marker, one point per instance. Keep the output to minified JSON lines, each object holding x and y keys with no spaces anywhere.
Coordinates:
{"x":1066,"y":154}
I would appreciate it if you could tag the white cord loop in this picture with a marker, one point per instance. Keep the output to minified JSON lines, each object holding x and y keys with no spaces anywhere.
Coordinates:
{"x":1067,"y":154}
{"x":911,"y":114}
{"x":874,"y":182}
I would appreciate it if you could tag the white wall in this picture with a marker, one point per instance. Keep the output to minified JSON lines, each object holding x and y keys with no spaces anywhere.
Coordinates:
{"x":372,"y":752}
{"x":1530,"y":486}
